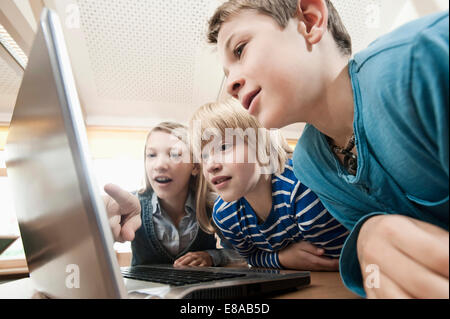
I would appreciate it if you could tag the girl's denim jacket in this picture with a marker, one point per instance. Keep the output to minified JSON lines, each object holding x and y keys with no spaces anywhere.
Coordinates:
{"x":147,"y":249}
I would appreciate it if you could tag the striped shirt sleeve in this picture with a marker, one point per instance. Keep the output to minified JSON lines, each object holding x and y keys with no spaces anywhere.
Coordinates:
{"x":316,"y":224}
{"x":227,"y":222}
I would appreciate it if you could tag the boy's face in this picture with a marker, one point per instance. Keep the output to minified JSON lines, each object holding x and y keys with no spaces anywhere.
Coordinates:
{"x":266,"y":70}
{"x":231,"y":169}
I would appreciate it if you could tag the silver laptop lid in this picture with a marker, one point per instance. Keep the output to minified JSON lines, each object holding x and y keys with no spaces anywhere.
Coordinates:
{"x":62,"y":219}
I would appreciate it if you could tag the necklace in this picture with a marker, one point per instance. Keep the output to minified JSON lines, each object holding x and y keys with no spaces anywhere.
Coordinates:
{"x":350,"y":159}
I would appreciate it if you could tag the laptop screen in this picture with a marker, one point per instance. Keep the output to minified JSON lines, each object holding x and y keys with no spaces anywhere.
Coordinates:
{"x":64,"y":227}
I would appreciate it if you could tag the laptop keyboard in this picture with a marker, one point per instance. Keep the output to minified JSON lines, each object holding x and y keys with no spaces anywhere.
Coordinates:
{"x":174,"y":277}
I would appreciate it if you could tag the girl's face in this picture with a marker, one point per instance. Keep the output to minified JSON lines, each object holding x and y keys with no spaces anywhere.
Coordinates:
{"x":231,"y":169}
{"x":168,"y":165}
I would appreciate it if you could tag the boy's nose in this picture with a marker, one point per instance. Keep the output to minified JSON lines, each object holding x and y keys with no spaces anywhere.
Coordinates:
{"x":213,"y":167}
{"x":234,"y":86}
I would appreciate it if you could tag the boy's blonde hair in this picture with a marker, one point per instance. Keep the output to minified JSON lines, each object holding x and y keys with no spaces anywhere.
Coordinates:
{"x":230,"y":115}
{"x":196,"y":183}
{"x":281,"y":11}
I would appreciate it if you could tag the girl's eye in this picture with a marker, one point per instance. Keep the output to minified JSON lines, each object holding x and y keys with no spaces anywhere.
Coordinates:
{"x":150,"y":155}
{"x":238,"y":51}
{"x":175,"y":155}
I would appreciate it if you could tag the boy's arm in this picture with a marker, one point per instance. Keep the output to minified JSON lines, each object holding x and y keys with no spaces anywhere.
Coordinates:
{"x":429,"y":89}
{"x":303,"y":255}
{"x":315,"y":224}
{"x":247,"y":250}
{"x":417,"y":268}
{"x":300,"y":256}
{"x":396,"y":264}
{"x":322,"y":236}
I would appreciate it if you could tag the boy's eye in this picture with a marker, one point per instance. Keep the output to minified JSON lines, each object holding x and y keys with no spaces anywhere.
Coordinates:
{"x":175,"y":154}
{"x":151,"y":155}
{"x":225,"y":146}
{"x":238,"y":51}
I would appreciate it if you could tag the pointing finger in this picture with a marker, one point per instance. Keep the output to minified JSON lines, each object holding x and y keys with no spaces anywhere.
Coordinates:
{"x":127,"y":202}
{"x":130,"y":227}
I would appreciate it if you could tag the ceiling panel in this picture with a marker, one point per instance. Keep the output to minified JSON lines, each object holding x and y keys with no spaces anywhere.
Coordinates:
{"x":140,"y":62}
{"x":10,"y":78}
{"x":143,"y":61}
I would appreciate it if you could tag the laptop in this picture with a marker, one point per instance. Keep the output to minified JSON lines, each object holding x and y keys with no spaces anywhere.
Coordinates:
{"x":63,"y":223}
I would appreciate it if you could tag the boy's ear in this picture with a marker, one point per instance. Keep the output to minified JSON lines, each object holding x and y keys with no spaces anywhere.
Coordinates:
{"x":312,"y":19}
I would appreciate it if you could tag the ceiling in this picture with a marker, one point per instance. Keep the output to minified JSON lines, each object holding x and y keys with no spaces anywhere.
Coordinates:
{"x":138,"y":62}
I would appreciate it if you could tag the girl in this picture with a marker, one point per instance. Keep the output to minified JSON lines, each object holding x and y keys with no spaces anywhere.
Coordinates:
{"x":262,"y":209}
{"x":169,"y":231}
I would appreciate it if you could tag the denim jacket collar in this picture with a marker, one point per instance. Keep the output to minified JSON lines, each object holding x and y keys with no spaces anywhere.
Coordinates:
{"x":189,"y":205}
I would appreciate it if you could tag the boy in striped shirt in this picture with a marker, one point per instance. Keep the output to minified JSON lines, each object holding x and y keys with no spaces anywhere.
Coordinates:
{"x":263,"y":210}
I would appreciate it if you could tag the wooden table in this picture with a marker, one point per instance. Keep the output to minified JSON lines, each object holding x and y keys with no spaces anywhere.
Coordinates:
{"x":324,"y":285}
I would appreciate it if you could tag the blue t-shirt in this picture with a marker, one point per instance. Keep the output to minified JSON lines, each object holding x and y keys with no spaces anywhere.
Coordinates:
{"x":401,"y":117}
{"x":296,"y":214}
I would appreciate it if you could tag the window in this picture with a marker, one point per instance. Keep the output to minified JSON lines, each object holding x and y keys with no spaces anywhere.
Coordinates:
{"x":127,"y":173}
{"x":8,"y":224}
{"x":117,"y":158}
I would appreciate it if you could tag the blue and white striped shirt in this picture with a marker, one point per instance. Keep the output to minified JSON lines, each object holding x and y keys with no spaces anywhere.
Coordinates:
{"x":297,"y":214}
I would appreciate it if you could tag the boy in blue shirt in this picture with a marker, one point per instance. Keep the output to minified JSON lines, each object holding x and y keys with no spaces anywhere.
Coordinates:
{"x":375,"y":149}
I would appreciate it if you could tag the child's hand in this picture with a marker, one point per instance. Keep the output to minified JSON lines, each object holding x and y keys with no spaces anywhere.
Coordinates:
{"x":196,"y":258}
{"x":305,"y":256}
{"x":124,"y":212}
{"x":411,"y":258}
